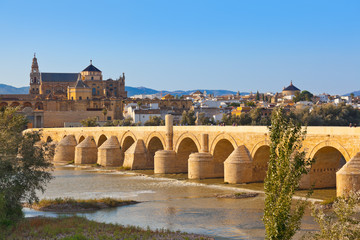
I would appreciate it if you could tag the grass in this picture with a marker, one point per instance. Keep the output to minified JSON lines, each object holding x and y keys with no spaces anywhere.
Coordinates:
{"x":78,"y":228}
{"x":71,"y":204}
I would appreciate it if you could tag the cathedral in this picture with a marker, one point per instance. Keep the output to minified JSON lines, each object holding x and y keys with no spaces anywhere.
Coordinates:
{"x":64,"y":99}
{"x":87,"y":84}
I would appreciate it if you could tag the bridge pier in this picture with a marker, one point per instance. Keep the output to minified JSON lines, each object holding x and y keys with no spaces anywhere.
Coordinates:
{"x":86,"y":151}
{"x":65,"y":151}
{"x":348,"y":177}
{"x":238,"y":167}
{"x":109,"y":153}
{"x":201,"y":164}
{"x":165,"y":160}
{"x":136,"y":156}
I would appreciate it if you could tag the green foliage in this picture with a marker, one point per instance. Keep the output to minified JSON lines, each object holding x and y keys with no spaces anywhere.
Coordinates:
{"x":188,"y":118}
{"x":89,"y":122}
{"x":234,"y":104}
{"x":155,"y":121}
{"x":286,"y":165}
{"x":303,"y":96}
{"x":254,"y":117}
{"x":250,"y":104}
{"x":203,"y":120}
{"x":124,"y":122}
{"x":327,"y":115}
{"x":257,"y":96}
{"x":23,"y":165}
{"x":341,"y":223}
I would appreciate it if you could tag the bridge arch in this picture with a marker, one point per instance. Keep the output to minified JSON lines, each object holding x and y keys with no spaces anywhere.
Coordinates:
{"x":184,"y":136}
{"x":101,"y":140}
{"x":27,"y":104}
{"x":49,"y":139}
{"x":333,"y":144}
{"x":3,"y":104}
{"x":157,"y":135}
{"x":186,"y":144}
{"x":127,"y":140}
{"x":221,"y":151}
{"x":153,"y":145}
{"x":329,"y":158}
{"x":260,"y":156}
{"x":220,"y":137}
{"x":15,"y":104}
{"x":82,"y":138}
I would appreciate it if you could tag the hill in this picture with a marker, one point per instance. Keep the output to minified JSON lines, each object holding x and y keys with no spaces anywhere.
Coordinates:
{"x":7,"y":89}
{"x":356,"y":93}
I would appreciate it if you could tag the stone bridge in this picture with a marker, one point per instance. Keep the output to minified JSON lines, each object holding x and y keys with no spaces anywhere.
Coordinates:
{"x":239,"y":154}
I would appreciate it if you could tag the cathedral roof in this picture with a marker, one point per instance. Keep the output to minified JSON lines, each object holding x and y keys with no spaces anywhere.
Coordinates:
{"x":91,"y":68}
{"x":59,"y":77}
{"x":291,"y":87}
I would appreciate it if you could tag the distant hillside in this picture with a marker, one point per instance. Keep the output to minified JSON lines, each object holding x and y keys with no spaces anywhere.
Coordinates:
{"x":356,"y":93}
{"x":142,"y":90}
{"x":7,"y":89}
{"x":139,"y":90}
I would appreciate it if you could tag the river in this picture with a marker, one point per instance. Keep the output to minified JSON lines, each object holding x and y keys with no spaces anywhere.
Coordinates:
{"x":165,"y":203}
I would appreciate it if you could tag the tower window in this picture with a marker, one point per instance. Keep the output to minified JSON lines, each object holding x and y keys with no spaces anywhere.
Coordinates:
{"x":92,"y":78}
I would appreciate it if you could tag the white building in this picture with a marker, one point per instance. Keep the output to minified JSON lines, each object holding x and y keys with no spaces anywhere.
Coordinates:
{"x":142,"y":114}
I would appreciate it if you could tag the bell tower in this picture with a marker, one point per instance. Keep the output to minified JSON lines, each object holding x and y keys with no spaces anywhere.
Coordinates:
{"x":34,"y":77}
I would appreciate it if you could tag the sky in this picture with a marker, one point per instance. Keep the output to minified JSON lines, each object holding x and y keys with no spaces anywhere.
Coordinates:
{"x":188,"y":44}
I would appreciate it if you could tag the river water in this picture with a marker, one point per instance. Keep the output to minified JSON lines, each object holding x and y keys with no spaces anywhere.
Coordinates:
{"x":165,"y":203}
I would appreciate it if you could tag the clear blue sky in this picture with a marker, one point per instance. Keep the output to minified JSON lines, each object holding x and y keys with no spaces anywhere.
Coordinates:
{"x":179,"y":44}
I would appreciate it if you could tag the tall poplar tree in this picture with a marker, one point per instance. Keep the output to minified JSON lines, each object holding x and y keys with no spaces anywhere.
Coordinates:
{"x":286,"y":166}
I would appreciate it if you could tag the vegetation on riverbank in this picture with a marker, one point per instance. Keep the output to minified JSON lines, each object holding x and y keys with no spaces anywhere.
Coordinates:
{"x":78,"y":205}
{"x":78,"y":228}
{"x":239,"y":195}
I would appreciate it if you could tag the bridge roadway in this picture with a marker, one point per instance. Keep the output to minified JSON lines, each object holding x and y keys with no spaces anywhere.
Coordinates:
{"x":202,"y":150}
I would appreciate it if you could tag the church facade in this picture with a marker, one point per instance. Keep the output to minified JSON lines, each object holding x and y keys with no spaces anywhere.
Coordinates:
{"x":58,"y":98}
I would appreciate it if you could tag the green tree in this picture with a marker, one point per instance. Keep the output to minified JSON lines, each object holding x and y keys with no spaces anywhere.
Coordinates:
{"x":257,"y":96}
{"x":188,"y":118}
{"x":286,"y":165}
{"x":303,"y":96}
{"x":89,"y":122}
{"x":23,"y":165}
{"x":155,"y":121}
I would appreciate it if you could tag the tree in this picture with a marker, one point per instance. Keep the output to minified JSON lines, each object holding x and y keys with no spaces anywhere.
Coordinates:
{"x":188,"y":118}
{"x":303,"y":96}
{"x":23,"y":166}
{"x":286,"y":165}
{"x":89,"y":122}
{"x":155,"y":121}
{"x":257,"y":96}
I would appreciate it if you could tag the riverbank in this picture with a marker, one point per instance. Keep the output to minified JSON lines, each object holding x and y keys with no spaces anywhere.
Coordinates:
{"x":79,"y":228}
